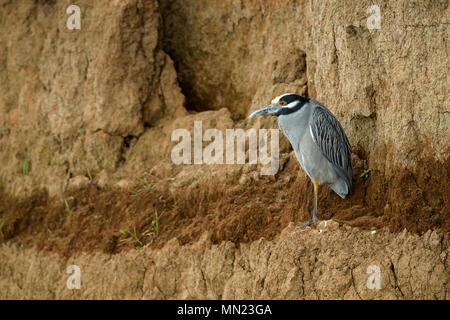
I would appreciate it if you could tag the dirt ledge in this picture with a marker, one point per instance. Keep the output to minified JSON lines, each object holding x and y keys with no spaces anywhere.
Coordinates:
{"x":326,"y":263}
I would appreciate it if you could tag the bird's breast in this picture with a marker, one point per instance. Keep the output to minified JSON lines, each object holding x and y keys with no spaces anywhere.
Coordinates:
{"x":295,"y":125}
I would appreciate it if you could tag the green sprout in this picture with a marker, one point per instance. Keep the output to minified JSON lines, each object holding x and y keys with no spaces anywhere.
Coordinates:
{"x":134,"y":193}
{"x":50,"y":234}
{"x":68,"y":210}
{"x":3,"y":184}
{"x":133,"y":234}
{"x":1,"y":228}
{"x":81,"y":130}
{"x":144,"y":247}
{"x":175,"y":204}
{"x":365,"y":174}
{"x":146,"y":183}
{"x":26,"y":164}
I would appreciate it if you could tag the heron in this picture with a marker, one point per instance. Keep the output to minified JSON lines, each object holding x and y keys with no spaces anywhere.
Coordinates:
{"x":319,"y":142}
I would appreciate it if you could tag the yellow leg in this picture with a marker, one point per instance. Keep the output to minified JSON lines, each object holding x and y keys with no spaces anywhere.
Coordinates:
{"x":314,"y":217}
{"x":316,"y":197}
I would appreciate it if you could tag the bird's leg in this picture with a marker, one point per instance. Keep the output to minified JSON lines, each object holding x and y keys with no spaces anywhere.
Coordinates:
{"x":314,"y":217}
{"x":316,"y":198}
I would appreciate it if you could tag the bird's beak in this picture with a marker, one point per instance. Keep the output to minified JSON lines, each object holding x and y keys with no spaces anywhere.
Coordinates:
{"x":271,"y":109}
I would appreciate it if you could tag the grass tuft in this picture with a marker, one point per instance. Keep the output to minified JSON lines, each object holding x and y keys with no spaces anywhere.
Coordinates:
{"x":176,"y":199}
{"x":146,"y":183}
{"x":4,"y":185}
{"x":134,"y":193}
{"x":68,"y":210}
{"x":365,"y":173}
{"x":132,"y":234}
{"x":26,"y":164}
{"x":1,"y":228}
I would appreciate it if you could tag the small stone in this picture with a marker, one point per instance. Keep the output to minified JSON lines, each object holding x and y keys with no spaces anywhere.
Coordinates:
{"x":77,"y":183}
{"x":243,"y":179}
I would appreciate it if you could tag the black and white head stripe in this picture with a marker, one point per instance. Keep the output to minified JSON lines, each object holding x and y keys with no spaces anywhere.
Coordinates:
{"x":278,"y":99}
{"x":291,"y":102}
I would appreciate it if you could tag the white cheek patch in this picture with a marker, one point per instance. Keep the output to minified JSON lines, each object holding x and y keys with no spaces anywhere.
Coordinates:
{"x":292,"y":104}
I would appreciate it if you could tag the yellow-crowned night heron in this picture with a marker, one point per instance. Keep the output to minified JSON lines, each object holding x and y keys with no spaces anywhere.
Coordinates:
{"x":318,"y":140}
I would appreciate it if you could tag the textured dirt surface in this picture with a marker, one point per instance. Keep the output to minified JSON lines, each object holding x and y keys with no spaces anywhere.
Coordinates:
{"x":85,"y":114}
{"x":333,"y":264}
{"x":231,"y":211}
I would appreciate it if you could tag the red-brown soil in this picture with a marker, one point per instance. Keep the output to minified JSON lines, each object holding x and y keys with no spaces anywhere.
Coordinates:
{"x":100,"y":218}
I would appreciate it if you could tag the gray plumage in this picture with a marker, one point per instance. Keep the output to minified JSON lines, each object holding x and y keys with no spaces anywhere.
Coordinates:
{"x":318,"y":140}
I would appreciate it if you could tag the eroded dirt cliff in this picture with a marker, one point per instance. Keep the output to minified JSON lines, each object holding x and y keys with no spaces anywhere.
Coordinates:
{"x":86,"y":118}
{"x":333,"y":264}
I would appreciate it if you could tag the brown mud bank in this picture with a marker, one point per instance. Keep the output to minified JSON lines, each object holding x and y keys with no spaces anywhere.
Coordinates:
{"x":234,"y":239}
{"x":336,"y":263}
{"x":86,"y":115}
{"x":242,"y":208}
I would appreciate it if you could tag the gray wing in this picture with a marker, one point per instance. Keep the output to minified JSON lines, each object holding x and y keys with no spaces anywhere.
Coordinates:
{"x":332,"y":141}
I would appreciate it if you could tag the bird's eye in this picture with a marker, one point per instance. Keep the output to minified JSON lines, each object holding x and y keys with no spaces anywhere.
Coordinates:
{"x":282,"y":103}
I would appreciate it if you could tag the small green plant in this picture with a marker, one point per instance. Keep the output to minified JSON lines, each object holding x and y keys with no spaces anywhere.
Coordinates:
{"x":365,"y":173}
{"x":135,"y":236}
{"x":155,"y":223}
{"x":175,"y":203}
{"x":25,"y":167}
{"x":50,"y":234}
{"x":4,"y":185}
{"x":132,"y":234}
{"x":1,"y":228}
{"x":144,"y":247}
{"x":36,"y":233}
{"x":68,"y":210}
{"x":81,"y":130}
{"x":26,"y":164}
{"x":89,"y":173}
{"x":146,"y":183}
{"x":134,"y":193}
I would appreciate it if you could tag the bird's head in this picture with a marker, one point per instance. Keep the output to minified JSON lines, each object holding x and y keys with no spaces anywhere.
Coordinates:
{"x":284,"y":104}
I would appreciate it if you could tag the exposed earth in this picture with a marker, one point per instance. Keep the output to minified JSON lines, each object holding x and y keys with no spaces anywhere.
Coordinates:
{"x":87,"y":177}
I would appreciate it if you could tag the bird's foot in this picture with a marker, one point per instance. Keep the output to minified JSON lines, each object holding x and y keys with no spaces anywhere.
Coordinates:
{"x":306,"y":224}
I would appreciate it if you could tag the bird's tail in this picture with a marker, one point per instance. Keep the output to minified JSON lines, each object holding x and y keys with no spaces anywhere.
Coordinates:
{"x":340,"y":187}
